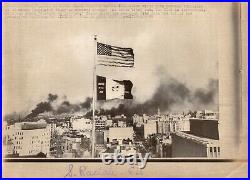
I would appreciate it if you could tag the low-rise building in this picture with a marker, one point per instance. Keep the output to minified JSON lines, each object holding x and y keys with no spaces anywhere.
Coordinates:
{"x":150,"y":128}
{"x":121,"y":133}
{"x":163,"y":146}
{"x":121,"y":124}
{"x":81,"y":124}
{"x":109,"y":123}
{"x":184,"y":124}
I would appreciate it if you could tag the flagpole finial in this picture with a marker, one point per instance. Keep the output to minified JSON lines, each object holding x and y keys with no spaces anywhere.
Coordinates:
{"x":95,"y":37}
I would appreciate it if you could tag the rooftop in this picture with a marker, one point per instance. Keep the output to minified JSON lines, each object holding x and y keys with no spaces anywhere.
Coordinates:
{"x":34,"y":125}
{"x":197,"y":139}
{"x":204,"y":119}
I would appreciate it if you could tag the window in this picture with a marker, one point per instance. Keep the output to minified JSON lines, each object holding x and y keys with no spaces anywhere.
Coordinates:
{"x":215,"y":151}
{"x":211,"y":151}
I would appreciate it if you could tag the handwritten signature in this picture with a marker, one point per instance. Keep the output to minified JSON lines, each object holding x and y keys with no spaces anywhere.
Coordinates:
{"x":82,"y":170}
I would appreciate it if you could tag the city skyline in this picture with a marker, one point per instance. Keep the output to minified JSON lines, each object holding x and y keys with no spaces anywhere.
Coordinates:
{"x":69,"y":136}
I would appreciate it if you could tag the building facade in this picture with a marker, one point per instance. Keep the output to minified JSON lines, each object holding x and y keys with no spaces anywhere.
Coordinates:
{"x":28,"y":138}
{"x":188,"y":145}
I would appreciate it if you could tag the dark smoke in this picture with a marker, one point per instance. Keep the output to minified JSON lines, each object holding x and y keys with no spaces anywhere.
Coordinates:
{"x":64,"y":107}
{"x":65,"y":103}
{"x":208,"y":95}
{"x":40,"y":108}
{"x":52,"y":97}
{"x":87,"y":103}
{"x":166,"y":95}
{"x":67,"y":107}
{"x":170,"y":94}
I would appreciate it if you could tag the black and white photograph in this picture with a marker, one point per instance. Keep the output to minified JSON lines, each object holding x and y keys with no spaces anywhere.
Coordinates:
{"x":89,"y":81}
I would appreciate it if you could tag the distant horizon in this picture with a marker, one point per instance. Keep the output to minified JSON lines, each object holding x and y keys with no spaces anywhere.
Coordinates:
{"x":23,"y":114}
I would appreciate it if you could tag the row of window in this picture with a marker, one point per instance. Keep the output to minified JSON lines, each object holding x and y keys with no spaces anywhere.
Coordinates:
{"x":17,"y":147}
{"x":214,"y":151}
{"x":35,"y":142}
{"x":19,"y":142}
{"x":32,"y":151}
{"x":19,"y":133}
{"x":19,"y":137}
{"x":44,"y":134}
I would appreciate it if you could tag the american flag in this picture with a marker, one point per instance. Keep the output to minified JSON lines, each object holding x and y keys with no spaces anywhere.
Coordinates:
{"x":108,"y":55}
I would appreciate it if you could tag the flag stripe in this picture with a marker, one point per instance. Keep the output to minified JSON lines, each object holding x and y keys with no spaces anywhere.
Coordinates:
{"x":112,"y":64}
{"x":122,"y":55}
{"x":101,"y":57}
{"x":102,"y":64}
{"x":122,"y":49}
{"x":113,"y":58}
{"x":118,"y":62}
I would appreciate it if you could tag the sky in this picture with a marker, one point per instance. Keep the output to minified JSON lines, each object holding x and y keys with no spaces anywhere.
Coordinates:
{"x":43,"y":56}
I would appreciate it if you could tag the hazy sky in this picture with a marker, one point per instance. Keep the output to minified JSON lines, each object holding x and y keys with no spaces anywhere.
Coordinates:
{"x":56,"y":56}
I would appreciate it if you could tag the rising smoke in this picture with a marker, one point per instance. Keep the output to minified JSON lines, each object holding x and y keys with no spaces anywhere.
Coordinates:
{"x":51,"y":105}
{"x":171,"y":94}
{"x":208,"y":95}
{"x":40,"y":108}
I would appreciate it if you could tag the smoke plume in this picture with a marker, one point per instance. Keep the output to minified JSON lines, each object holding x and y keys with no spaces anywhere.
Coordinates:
{"x":40,"y":108}
{"x":170,"y":95}
{"x":208,"y":95}
{"x":52,"y":105}
{"x":52,"y":97}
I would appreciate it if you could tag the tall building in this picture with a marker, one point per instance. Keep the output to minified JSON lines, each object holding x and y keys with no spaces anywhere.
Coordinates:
{"x":201,"y":141}
{"x":188,"y":145}
{"x":204,"y":127}
{"x":100,"y":122}
{"x":28,"y":138}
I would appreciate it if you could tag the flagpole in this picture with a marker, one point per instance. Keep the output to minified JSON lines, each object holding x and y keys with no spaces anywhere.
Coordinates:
{"x":94,"y":98}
